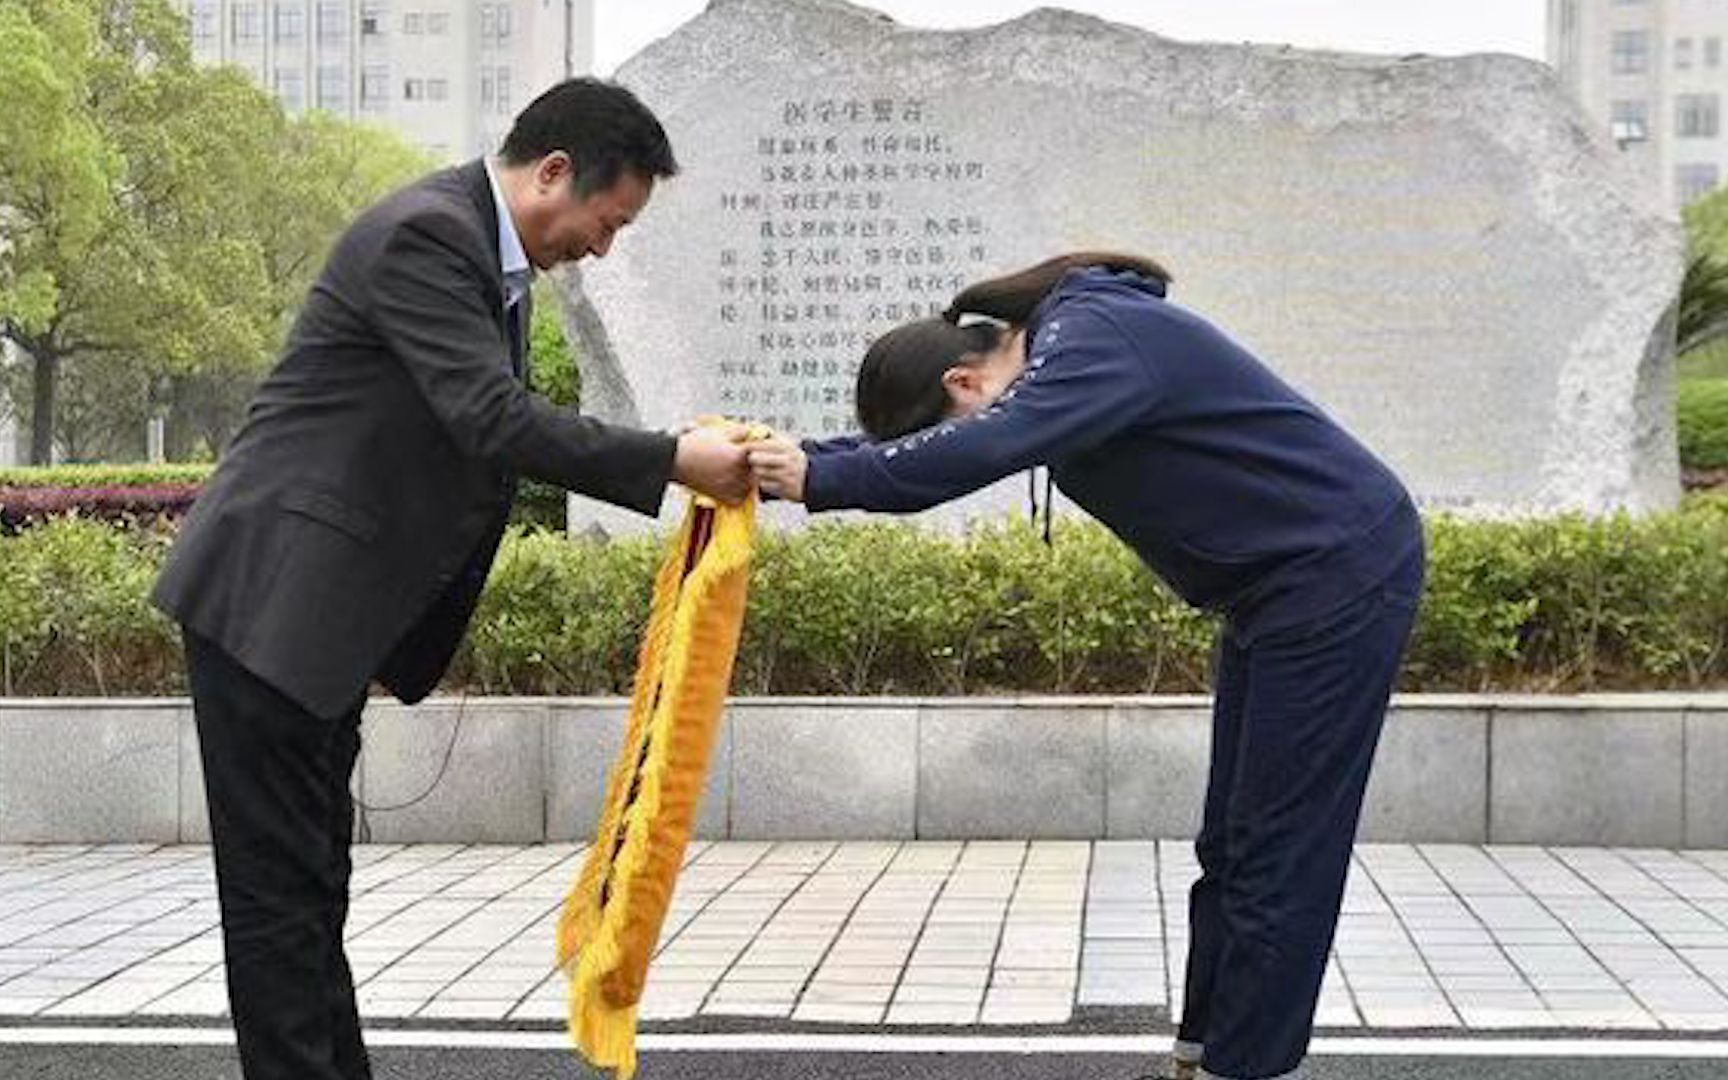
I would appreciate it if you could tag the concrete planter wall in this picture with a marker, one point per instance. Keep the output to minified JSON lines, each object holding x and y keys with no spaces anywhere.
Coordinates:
{"x":1643,"y":770}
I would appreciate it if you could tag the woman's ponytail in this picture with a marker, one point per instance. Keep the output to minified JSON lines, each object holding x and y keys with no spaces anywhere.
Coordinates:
{"x":1012,"y":298}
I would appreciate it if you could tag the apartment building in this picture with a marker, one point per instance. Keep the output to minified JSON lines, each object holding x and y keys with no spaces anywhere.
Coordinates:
{"x":1653,"y":75}
{"x":450,"y":75}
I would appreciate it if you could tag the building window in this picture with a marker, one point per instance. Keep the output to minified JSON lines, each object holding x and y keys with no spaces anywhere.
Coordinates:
{"x":332,"y":87}
{"x":503,"y":22}
{"x":1683,"y":54}
{"x":413,"y":90}
{"x":1696,"y":116}
{"x":1693,"y":182}
{"x":206,"y":18}
{"x":332,"y":23}
{"x":487,"y":97}
{"x":413,"y":23}
{"x":372,"y":20}
{"x":246,"y":24}
{"x":374,"y":86}
{"x":290,"y":89}
{"x":504,"y":90}
{"x":290,"y":24}
{"x":488,"y":22}
{"x":1630,"y":121}
{"x":1631,"y":52}
{"x":437,"y":89}
{"x":438,"y":22}
{"x":1713,"y":52}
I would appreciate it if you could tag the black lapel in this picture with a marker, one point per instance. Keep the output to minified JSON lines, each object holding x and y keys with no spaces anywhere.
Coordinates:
{"x":524,"y":352}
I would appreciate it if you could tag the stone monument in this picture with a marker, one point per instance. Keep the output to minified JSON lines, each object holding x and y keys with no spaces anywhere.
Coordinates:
{"x":1442,"y":252}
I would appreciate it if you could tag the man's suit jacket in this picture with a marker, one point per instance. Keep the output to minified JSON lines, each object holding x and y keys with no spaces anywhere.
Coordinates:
{"x":349,"y":527}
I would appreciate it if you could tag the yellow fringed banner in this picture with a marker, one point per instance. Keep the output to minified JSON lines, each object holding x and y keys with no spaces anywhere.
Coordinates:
{"x":611,"y":920}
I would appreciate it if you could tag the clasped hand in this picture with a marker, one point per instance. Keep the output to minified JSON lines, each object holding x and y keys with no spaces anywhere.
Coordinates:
{"x":725,"y":459}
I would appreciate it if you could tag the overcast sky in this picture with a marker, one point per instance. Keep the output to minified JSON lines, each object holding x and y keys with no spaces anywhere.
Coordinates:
{"x":1441,"y":27}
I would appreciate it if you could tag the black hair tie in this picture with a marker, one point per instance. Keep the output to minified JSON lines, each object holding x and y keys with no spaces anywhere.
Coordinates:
{"x":1049,"y":503}
{"x":1049,"y":499}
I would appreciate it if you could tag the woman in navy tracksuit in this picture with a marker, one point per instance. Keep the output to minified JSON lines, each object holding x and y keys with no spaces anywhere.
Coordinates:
{"x":1248,"y":500}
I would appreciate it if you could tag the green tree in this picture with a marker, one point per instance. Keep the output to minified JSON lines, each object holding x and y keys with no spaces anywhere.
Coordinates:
{"x":1703,"y":303}
{"x":163,"y":217}
{"x":57,"y":174}
{"x":1704,"y":291}
{"x":265,"y":234}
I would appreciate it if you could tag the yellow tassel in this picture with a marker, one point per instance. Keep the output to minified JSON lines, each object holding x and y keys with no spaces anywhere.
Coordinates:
{"x":612,"y":918}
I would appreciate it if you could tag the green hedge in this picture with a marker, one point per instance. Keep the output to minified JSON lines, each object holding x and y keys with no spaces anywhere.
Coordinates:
{"x":93,"y":476}
{"x":74,"y":618}
{"x":1553,"y":605}
{"x":539,"y":505}
{"x":1703,"y":422}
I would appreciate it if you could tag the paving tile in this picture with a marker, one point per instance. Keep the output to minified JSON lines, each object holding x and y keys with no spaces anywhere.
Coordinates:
{"x":444,"y":1008}
{"x":836,"y":1013}
{"x":932,"y":1013}
{"x":998,"y":933}
{"x":937,"y":993}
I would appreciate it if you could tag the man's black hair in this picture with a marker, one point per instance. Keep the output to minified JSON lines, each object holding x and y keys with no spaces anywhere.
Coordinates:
{"x":602,"y":126}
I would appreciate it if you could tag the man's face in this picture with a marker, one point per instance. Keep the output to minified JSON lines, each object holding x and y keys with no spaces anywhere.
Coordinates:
{"x":563,"y":226}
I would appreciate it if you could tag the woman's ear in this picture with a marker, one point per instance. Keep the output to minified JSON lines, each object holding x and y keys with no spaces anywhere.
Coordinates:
{"x":963,"y":384}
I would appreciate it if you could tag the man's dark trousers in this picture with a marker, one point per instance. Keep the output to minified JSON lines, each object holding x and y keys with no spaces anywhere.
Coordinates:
{"x":276,"y":778}
{"x":1296,"y":720}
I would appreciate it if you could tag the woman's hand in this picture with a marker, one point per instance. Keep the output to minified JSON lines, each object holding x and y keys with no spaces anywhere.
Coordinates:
{"x":778,"y":464}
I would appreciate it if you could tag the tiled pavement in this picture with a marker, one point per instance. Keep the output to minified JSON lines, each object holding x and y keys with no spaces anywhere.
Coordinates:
{"x":999,"y":933}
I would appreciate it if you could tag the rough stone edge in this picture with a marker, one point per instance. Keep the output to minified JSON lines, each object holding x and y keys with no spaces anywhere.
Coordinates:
{"x":1514,"y":103}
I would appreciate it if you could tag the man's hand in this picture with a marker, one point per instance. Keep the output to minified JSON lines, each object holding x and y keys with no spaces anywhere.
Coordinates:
{"x":779,"y":465}
{"x":710,"y":460}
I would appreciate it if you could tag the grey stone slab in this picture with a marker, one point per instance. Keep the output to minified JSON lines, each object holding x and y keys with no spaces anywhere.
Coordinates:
{"x":582,"y":745}
{"x":1707,"y":778}
{"x":492,"y":790}
{"x":1586,"y":777}
{"x":90,"y":774}
{"x":1430,"y":778}
{"x":847,"y":772}
{"x":1011,"y":773}
{"x":1531,"y":236}
{"x":1157,"y":762}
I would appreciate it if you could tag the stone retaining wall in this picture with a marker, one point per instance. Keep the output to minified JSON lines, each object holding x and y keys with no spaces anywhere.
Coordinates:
{"x":1639,"y":770}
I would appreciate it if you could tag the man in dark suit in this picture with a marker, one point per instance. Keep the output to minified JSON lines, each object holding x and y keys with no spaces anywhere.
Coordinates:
{"x":349,"y":528}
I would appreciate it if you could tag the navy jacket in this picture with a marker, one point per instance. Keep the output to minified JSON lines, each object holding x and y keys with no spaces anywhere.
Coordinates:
{"x":1230,"y":485}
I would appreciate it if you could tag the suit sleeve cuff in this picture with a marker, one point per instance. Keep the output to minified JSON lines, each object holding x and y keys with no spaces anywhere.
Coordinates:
{"x":656,"y":450}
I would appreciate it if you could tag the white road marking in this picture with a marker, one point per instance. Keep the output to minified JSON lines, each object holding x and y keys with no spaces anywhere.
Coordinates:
{"x":863,"y":1043}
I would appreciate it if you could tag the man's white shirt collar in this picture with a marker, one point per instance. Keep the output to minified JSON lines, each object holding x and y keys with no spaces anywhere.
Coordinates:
{"x":512,"y":259}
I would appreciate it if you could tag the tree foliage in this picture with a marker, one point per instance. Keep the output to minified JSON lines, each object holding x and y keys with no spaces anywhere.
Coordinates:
{"x":161,"y":220}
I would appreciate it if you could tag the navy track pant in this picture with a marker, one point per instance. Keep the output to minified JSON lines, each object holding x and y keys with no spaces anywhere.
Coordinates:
{"x":1296,"y":720}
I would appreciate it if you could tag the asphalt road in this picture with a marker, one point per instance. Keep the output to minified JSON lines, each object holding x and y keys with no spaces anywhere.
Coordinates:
{"x":207,"y":1062}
